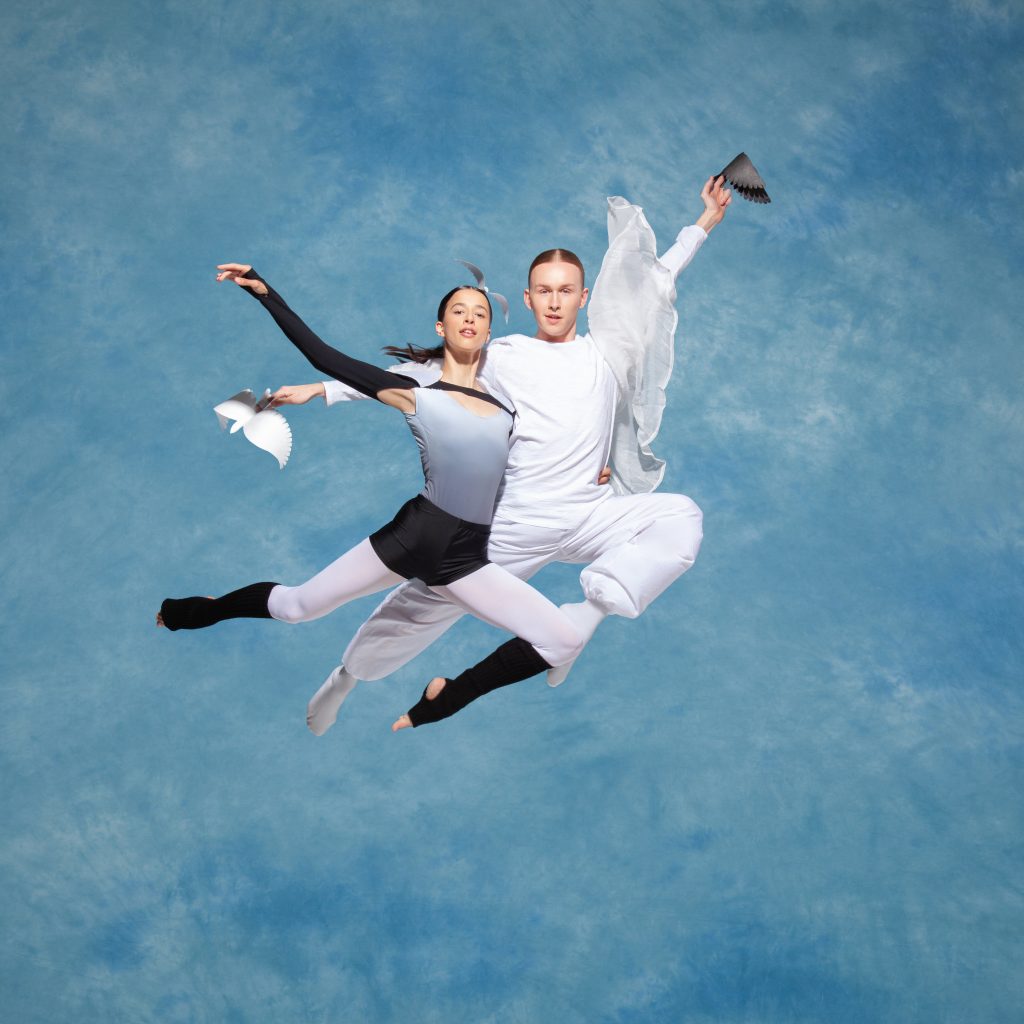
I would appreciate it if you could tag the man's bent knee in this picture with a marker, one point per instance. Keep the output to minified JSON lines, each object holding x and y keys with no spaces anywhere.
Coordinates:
{"x":686,"y":529}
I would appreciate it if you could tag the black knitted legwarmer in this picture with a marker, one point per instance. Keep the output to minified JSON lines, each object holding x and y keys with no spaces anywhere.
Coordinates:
{"x":198,"y":612}
{"x":510,"y":663}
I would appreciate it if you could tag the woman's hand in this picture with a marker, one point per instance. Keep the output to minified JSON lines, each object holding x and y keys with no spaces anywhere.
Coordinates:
{"x":296,"y":394}
{"x":234,"y":272}
{"x":716,"y":200}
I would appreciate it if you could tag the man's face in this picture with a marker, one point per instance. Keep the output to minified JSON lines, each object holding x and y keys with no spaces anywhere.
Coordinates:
{"x":555,"y":297}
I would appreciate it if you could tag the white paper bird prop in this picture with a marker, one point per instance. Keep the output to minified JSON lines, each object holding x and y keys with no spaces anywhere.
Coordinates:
{"x":264,"y":427}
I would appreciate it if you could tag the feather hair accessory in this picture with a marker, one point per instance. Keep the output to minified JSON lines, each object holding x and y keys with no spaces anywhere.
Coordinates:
{"x":482,"y":285}
{"x":743,"y":176}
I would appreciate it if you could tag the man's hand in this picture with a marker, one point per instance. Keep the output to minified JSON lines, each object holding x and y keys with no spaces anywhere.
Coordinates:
{"x":297,"y":394}
{"x":716,"y":199}
{"x":234,"y":272}
{"x":606,"y":475}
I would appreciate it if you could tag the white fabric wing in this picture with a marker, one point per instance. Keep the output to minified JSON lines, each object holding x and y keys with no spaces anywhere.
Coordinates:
{"x":633,"y":322}
{"x":269,"y":430}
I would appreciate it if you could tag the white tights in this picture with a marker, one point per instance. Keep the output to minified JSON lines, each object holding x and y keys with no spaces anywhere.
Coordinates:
{"x":491,"y":594}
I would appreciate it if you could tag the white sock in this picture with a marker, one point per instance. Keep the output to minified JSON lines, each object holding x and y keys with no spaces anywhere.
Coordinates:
{"x":322,"y":710}
{"x":586,"y":617}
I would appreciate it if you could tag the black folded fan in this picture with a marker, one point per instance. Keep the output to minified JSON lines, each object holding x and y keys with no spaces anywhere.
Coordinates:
{"x":743,"y":177}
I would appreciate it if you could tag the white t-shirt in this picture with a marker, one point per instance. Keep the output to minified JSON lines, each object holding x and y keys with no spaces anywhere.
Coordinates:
{"x":564,"y":396}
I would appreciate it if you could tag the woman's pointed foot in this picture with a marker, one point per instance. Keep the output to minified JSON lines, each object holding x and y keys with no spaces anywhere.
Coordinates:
{"x":160,"y":614}
{"x":434,"y":687}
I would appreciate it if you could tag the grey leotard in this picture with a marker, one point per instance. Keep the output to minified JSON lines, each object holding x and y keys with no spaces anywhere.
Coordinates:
{"x":463,"y":454}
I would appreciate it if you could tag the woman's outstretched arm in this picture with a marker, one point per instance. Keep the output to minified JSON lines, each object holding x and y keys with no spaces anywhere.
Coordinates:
{"x":372,"y":381}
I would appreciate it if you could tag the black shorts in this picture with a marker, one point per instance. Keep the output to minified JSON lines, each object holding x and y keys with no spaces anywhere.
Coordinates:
{"x":426,"y":543}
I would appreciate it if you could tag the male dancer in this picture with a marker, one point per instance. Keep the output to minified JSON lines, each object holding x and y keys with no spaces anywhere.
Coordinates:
{"x":582,"y":401}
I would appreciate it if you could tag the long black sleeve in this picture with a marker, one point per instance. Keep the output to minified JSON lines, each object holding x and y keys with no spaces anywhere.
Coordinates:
{"x":364,"y":377}
{"x":512,"y":662}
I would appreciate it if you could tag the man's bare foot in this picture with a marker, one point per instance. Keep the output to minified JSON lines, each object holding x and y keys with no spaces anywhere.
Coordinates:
{"x":586,"y":617}
{"x":322,"y":710}
{"x":434,"y":687}
{"x":160,"y":618}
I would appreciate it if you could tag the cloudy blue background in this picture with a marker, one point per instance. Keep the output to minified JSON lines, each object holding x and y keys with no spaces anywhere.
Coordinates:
{"x":790,"y":792}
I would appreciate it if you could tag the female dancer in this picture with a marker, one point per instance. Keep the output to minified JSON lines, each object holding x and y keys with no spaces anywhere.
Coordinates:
{"x":440,"y":536}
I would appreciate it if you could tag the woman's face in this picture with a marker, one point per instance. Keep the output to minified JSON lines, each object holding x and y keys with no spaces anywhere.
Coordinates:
{"x":467,"y":321}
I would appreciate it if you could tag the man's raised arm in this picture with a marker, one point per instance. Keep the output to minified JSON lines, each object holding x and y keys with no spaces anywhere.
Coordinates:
{"x":716,"y":198}
{"x":632,"y":318}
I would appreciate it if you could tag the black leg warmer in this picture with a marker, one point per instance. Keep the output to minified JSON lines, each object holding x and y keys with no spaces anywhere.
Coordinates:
{"x":198,"y":612}
{"x":510,"y":663}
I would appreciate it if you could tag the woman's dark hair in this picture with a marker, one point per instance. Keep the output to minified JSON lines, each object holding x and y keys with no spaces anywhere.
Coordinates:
{"x":442,"y":306}
{"x":419,"y":354}
{"x":557,"y":256}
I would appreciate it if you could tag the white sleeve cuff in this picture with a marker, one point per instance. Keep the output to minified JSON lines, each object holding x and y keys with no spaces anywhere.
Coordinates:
{"x":685,"y":247}
{"x":335,"y":391}
{"x":425,"y":373}
{"x":694,"y":231}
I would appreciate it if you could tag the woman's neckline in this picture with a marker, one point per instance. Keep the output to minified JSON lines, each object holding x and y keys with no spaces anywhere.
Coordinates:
{"x":483,"y":396}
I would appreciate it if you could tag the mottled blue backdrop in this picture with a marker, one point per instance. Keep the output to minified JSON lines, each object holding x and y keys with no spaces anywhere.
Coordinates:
{"x":791,"y":792}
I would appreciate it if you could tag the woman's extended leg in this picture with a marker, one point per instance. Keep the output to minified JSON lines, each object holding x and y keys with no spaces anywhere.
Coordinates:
{"x":357,"y":572}
{"x":503,"y":600}
{"x":544,"y":638}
